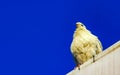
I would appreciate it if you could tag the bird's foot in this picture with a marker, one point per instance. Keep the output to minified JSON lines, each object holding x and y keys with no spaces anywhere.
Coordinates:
{"x":93,"y":58}
{"x":77,"y":67}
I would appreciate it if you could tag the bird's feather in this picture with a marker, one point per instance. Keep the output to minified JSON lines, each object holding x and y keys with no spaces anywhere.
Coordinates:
{"x":84,"y":44}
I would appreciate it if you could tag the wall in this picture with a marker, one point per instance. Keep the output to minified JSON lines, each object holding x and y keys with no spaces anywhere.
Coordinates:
{"x":107,"y":63}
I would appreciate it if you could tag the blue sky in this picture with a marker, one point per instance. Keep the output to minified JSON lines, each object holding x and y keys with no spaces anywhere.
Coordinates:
{"x":35,"y":36}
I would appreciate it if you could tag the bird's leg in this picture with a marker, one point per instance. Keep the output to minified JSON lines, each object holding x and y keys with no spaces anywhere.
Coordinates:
{"x":76,"y":62}
{"x":77,"y":66}
{"x":93,"y":58}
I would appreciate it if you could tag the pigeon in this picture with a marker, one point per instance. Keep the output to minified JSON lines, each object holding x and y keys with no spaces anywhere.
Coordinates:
{"x":84,"y":45}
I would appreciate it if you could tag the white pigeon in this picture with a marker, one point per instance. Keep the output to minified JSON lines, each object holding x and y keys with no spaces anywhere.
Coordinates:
{"x":85,"y":45}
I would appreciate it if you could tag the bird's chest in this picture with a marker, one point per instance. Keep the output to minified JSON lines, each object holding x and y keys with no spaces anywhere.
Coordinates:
{"x":83,"y":43}
{"x":84,"y":39}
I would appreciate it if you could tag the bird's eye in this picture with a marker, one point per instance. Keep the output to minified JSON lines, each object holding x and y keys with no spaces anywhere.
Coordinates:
{"x":82,"y":25}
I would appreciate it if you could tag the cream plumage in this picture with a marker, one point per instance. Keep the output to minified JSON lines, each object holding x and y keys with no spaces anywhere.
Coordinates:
{"x":85,"y":45}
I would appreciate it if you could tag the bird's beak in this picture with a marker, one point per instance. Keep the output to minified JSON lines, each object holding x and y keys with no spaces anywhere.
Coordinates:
{"x":77,"y":25}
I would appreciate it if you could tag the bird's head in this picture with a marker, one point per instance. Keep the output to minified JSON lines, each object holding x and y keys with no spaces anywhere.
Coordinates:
{"x":80,"y":25}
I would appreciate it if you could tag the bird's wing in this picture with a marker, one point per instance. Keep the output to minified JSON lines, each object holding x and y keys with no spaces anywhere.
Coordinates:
{"x":100,"y":44}
{"x":99,"y":47}
{"x":75,"y":59}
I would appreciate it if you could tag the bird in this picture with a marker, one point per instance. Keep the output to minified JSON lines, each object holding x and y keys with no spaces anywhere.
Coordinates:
{"x":85,"y":45}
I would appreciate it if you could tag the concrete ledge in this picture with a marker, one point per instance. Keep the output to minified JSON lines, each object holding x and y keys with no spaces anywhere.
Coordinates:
{"x":110,"y":54}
